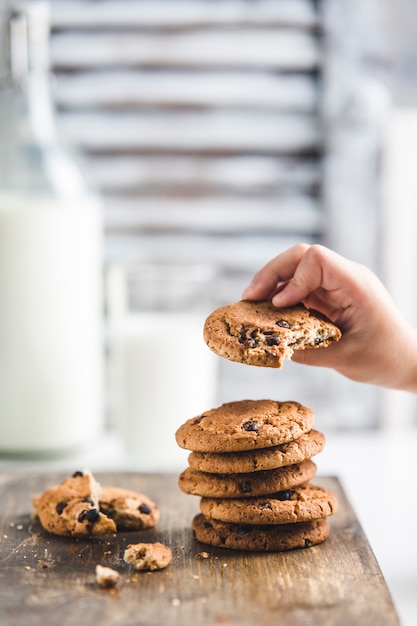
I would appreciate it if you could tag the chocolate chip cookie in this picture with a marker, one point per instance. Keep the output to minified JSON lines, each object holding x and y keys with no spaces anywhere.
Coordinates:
{"x":258,"y":333}
{"x":300,"y":504}
{"x":72,"y":508}
{"x":245,"y":425}
{"x":265,"y":538}
{"x":248,"y":484}
{"x":305,"y":447}
{"x":129,"y":509}
{"x":80,"y":507}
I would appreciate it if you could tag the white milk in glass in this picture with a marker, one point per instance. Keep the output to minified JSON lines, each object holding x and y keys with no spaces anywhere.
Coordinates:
{"x":50,"y":324}
{"x":163,"y":373}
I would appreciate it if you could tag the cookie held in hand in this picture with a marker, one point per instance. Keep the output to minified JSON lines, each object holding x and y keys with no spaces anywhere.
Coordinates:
{"x":258,"y":333}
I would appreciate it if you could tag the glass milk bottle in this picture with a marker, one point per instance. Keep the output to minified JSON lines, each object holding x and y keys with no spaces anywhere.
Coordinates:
{"x":50,"y":261}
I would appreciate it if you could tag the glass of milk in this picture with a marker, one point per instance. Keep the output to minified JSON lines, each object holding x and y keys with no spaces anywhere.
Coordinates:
{"x":161,"y":371}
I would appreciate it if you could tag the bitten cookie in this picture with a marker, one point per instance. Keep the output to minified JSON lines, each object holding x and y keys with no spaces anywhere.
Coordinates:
{"x":148,"y":556}
{"x":263,"y":538}
{"x":245,"y":425}
{"x":72,"y":508}
{"x":129,"y":509}
{"x":265,"y":482}
{"x":300,"y":504}
{"x":304,"y":447}
{"x":258,"y":333}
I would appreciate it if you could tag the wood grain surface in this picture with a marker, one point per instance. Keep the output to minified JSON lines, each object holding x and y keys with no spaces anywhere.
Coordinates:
{"x":51,"y":580}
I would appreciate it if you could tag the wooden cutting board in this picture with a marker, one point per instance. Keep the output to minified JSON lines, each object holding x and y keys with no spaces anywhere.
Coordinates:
{"x":51,"y":580}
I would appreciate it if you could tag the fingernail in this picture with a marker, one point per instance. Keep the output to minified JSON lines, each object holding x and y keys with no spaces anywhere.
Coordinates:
{"x":247,"y":292}
{"x":276,"y":300}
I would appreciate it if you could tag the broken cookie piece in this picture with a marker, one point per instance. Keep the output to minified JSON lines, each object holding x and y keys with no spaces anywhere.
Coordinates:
{"x":129,"y":509}
{"x":106,"y":577}
{"x":80,"y":507}
{"x":258,"y":333}
{"x":72,"y":508}
{"x":148,"y":556}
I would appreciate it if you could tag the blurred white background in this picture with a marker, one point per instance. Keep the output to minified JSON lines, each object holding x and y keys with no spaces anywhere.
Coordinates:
{"x":221,"y":132}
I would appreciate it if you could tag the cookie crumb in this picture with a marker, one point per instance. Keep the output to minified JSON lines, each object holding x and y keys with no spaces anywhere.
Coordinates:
{"x":148,"y":556}
{"x":45,"y":563}
{"x":202,"y":555}
{"x":106,"y":577}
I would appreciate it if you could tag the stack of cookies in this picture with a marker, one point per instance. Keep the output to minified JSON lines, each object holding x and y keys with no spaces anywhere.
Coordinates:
{"x":250,"y":460}
{"x":251,"y":466}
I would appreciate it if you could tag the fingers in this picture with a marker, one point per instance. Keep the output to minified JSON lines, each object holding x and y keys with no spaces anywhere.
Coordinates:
{"x":299,"y":271}
{"x":312,"y":274}
{"x":318,"y":272}
{"x":273,"y":276}
{"x":378,"y":345}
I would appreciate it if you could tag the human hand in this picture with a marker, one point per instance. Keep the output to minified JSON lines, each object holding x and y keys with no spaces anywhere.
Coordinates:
{"x":378,"y":344}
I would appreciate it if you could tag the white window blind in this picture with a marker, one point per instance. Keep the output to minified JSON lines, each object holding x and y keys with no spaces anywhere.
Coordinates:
{"x":199,"y":122}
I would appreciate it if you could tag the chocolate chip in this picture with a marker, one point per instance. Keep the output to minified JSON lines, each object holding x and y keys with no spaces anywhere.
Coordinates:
{"x":250,"y":427}
{"x":265,"y":505}
{"x":207,"y":525}
{"x":89,"y":500}
{"x":282,"y":323}
{"x":91,"y":515}
{"x":144,"y":508}
{"x":272,"y":340}
{"x":199,"y":419}
{"x":284,"y":495}
{"x":248,"y":342}
{"x":77,"y":474}
{"x":60,"y":507}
